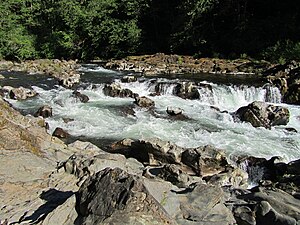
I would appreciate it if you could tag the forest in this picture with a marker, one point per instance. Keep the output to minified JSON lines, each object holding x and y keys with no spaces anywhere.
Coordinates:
{"x":101,"y":29}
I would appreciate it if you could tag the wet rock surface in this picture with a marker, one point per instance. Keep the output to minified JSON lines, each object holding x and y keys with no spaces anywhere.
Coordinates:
{"x":261,"y":114}
{"x":115,"y":90}
{"x":287,"y":78}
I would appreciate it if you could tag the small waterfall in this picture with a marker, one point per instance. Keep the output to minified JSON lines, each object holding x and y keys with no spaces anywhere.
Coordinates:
{"x":165,"y":88}
{"x":206,"y":94}
{"x":255,"y":173}
{"x":272,"y":94}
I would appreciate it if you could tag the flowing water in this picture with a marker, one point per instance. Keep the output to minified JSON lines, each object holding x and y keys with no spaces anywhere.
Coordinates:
{"x":106,"y":118}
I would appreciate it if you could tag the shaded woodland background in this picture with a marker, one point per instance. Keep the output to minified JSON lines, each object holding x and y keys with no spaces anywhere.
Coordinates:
{"x":89,"y":29}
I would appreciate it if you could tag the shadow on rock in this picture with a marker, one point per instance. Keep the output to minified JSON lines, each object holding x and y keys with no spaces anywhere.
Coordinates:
{"x":53,"y":199}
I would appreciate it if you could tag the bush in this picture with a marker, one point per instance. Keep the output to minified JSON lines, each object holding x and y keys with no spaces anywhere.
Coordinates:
{"x":282,"y":52}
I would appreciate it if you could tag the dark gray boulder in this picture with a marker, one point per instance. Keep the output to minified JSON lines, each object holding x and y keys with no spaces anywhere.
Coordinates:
{"x":115,"y":90}
{"x":112,"y":196}
{"x":44,"y":111}
{"x":60,"y":133}
{"x":261,"y":114}
{"x":81,"y":97}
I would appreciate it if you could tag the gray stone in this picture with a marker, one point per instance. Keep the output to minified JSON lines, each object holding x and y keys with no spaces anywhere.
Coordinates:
{"x":64,"y":214}
{"x":128,"y":79}
{"x":174,"y":111}
{"x":44,"y":111}
{"x":20,"y":93}
{"x":261,"y":114}
{"x":113,"y":196}
{"x":115,"y":90}
{"x":144,"y":102}
{"x":60,"y":133}
{"x":187,"y":90}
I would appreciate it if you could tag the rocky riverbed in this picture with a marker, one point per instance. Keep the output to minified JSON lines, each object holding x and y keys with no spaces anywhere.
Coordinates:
{"x":139,"y":181}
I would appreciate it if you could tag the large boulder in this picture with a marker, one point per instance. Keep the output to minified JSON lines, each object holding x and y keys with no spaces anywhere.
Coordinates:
{"x":115,"y":90}
{"x":186,"y":90}
{"x":261,"y":114}
{"x":112,"y":196}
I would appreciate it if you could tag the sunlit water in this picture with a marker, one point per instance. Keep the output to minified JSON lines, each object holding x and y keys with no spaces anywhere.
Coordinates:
{"x":105,"y":118}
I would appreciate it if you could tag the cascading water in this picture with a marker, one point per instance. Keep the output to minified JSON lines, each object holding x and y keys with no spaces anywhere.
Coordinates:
{"x":107,"y":118}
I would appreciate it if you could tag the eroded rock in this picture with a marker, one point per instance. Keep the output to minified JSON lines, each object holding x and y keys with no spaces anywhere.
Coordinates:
{"x":144,"y":102}
{"x":261,"y":114}
{"x":116,"y":197}
{"x":115,"y":90}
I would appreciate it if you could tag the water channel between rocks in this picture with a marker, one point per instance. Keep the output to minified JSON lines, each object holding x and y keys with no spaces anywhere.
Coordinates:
{"x":104,"y":119}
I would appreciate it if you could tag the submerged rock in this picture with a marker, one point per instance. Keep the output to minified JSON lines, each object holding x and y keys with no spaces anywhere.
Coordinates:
{"x":261,"y":114}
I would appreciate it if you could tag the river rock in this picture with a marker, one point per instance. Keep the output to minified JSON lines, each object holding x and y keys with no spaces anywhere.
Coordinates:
{"x":186,"y":90}
{"x":261,"y":114}
{"x":115,"y":90}
{"x":128,"y":79}
{"x":172,"y":111}
{"x":69,"y":80}
{"x":144,"y":102}
{"x":113,"y":196}
{"x":82,"y":97}
{"x":20,"y":93}
{"x":44,"y":111}
{"x":60,"y":133}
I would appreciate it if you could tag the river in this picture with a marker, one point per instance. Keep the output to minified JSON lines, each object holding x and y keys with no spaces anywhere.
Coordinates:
{"x":106,"y":119}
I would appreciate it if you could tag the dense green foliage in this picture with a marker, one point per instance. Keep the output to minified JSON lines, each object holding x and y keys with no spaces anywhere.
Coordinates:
{"x":88,"y":29}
